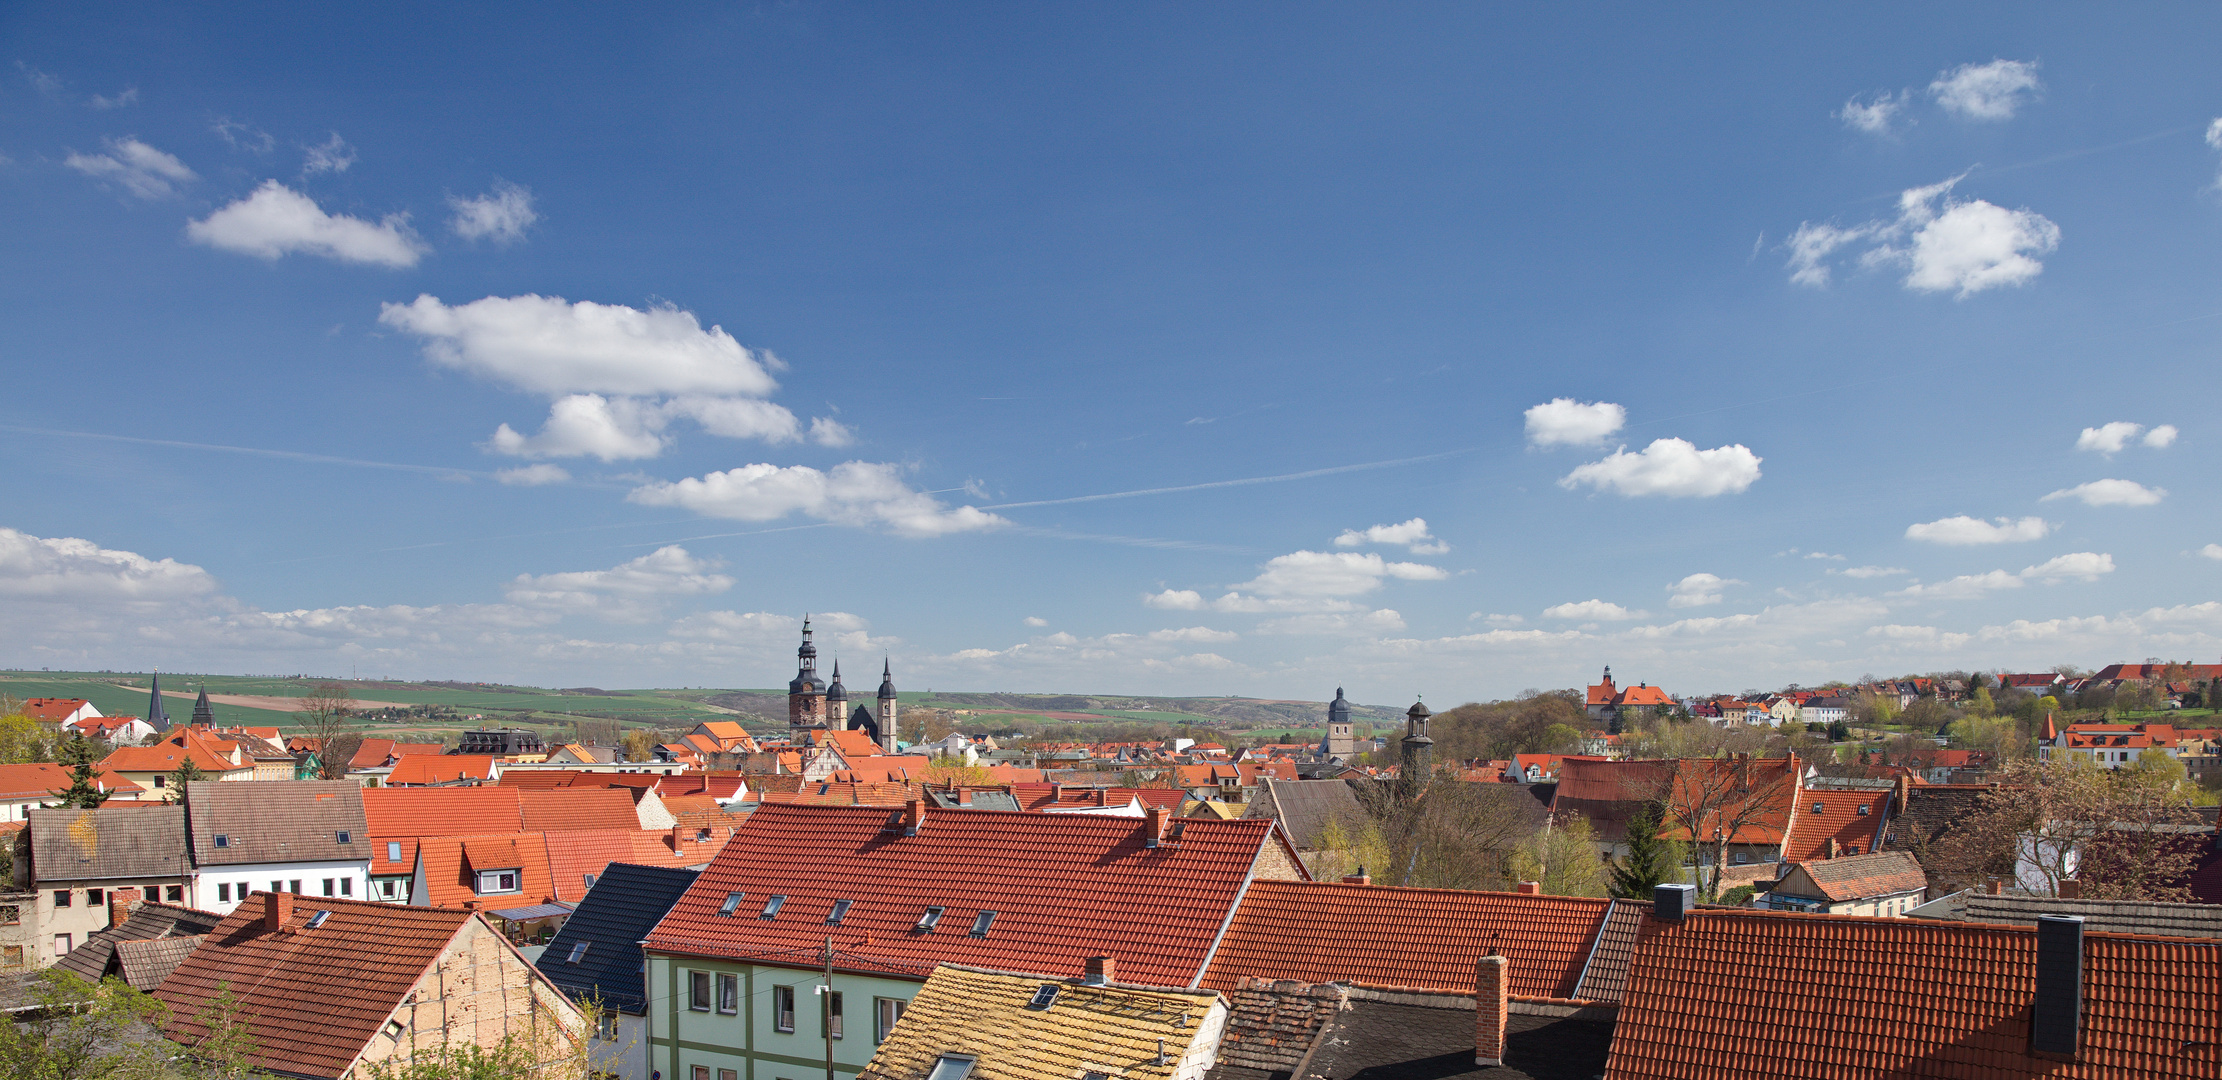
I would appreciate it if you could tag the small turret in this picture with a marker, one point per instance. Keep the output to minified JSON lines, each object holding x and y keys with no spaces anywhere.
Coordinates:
{"x":888,"y":706}
{"x":1418,"y":758}
{"x":837,"y":701}
{"x":203,"y":716}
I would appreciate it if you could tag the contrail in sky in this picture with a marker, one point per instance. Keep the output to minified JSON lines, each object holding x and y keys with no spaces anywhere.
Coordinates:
{"x":1305,"y":475}
{"x":254,"y":451}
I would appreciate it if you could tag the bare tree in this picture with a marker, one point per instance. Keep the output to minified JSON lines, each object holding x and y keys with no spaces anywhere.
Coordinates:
{"x":1713,"y":804}
{"x":327,"y":717}
{"x":1452,"y":834}
{"x":2120,"y":834}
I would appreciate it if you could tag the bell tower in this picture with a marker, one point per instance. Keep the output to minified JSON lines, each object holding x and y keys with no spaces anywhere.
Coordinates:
{"x":1418,"y":752}
{"x":806,"y":701}
{"x":887,"y":706}
{"x":1341,"y":741}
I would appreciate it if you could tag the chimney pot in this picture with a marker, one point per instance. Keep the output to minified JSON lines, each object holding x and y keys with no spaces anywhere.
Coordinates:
{"x":1492,"y":1008}
{"x":1100,"y":971}
{"x":1672,"y":901}
{"x":964,"y":796}
{"x":1531,"y":888}
{"x":2056,"y":1018}
{"x":277,"y":909}
{"x":1996,"y":886}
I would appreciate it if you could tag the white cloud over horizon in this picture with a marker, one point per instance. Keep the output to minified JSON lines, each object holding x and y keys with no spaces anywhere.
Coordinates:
{"x":1567,"y":422}
{"x":275,"y":220}
{"x":1591,"y":611}
{"x":1698,"y":590}
{"x":1963,"y":531}
{"x":1670,"y":467}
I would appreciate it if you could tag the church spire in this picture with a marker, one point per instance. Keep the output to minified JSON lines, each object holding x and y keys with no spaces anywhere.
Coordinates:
{"x":203,"y":716}
{"x":157,"y":717}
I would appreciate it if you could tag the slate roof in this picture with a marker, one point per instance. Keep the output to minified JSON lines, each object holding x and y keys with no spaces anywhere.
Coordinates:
{"x":276,"y":821}
{"x":144,"y":964}
{"x":1856,"y":877}
{"x":1064,"y":887}
{"x":96,"y":957}
{"x":625,"y":904}
{"x":2118,"y":916}
{"x":1383,"y":935}
{"x":1117,"y":1028}
{"x":1304,"y":807}
{"x":1826,"y":814}
{"x":284,"y":982}
{"x":1732,"y":994}
{"x":94,"y":845}
{"x":1272,"y":1024}
{"x":1396,"y":1037}
{"x":1605,"y":976}
{"x":577,"y":808}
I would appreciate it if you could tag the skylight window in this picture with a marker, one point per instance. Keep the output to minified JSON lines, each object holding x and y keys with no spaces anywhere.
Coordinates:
{"x":578,"y":952}
{"x":393,"y":851}
{"x":952,"y":1067}
{"x":772,"y":906}
{"x":1863,"y":810}
{"x":839,"y":912}
{"x":1816,"y":808}
{"x":927,"y":922}
{"x":316,"y":920}
{"x":982,"y":922}
{"x":732,"y":901}
{"x":223,"y":840}
{"x":1045,"y":994}
{"x":344,"y":836}
{"x":591,"y":879}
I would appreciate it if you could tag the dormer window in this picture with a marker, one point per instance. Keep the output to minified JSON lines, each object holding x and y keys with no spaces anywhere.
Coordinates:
{"x":500,"y":881}
{"x":840,"y":911}
{"x":732,"y":901}
{"x":930,"y":919}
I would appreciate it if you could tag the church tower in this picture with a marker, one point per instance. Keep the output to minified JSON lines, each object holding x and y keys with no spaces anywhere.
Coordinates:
{"x":1341,"y":742}
{"x":887,"y":706}
{"x":203,"y":716}
{"x":1418,"y":763}
{"x":806,"y":702}
{"x":837,"y":701}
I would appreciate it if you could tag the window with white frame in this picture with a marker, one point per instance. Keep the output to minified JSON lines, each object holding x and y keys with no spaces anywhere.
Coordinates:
{"x":500,"y":881}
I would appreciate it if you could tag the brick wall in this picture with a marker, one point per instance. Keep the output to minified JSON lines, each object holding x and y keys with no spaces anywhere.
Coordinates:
{"x":481,"y":991}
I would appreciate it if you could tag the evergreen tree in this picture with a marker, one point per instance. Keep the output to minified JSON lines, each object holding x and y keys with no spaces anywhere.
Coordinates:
{"x":1651,"y":860}
{"x":83,"y":791}
{"x":185,"y":773}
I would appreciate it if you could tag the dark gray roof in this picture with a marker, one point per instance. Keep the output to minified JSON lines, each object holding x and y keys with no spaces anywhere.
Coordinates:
{"x":1304,"y":807}
{"x":91,"y":845}
{"x":977,"y":800}
{"x":96,"y":958}
{"x":1272,"y":1025}
{"x":275,"y":821}
{"x":2117,"y":916}
{"x":1605,"y":975}
{"x":1394,"y":1040}
{"x":626,"y":902}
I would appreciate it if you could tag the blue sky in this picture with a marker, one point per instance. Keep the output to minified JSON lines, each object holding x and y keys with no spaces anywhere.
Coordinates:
{"x":1453,"y":350}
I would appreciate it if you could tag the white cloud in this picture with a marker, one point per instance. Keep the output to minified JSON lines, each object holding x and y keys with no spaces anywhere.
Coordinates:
{"x":1823,"y":555}
{"x":1672,"y":467}
{"x":582,"y":425}
{"x":2212,"y":551}
{"x":501,"y":215}
{"x":1992,"y":91}
{"x":738,"y":417}
{"x":1591,"y":611}
{"x":544,"y":345}
{"x":1944,"y":244}
{"x":1499,"y":620}
{"x":829,"y":432}
{"x":2109,"y":438}
{"x":631,"y":590}
{"x":243,"y":137}
{"x":2111,"y":493}
{"x":1964,"y":587}
{"x":1035,"y":620}
{"x":854,"y":493}
{"x":1567,"y":422}
{"x":1917,"y":636}
{"x":2161,"y":437}
{"x":1174,"y":600}
{"x":1874,"y":115}
{"x":1412,"y":534}
{"x":1963,"y":531}
{"x":1196,"y":634}
{"x":1235,"y":603}
{"x":2214,"y":139}
{"x":72,"y":570}
{"x":1383,"y":621}
{"x":533,"y":475}
{"x":1336,"y":573}
{"x":2079,"y":566}
{"x":127,"y":97}
{"x":1870,"y":571}
{"x":276,"y":220}
{"x":1698,"y":590}
{"x":140,"y":169}
{"x":333,"y":155}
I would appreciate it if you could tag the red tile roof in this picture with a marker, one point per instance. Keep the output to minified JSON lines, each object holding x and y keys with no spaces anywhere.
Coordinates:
{"x":312,"y":999}
{"x":1746,"y":995}
{"x":441,"y":768}
{"x":1041,"y":796}
{"x":209,"y":755}
{"x":451,"y":865}
{"x":1825,"y":814}
{"x":1381,"y":935}
{"x":402,"y":815}
{"x":578,"y":808}
{"x":40,"y":779}
{"x":1861,"y":877}
{"x":1064,"y":887}
{"x":377,"y":753}
{"x":53,"y":709}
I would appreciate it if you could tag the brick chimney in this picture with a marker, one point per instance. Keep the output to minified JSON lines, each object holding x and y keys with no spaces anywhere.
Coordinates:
{"x":964,"y":796}
{"x":1997,"y":886}
{"x":678,"y":838}
{"x":1155,"y":819}
{"x":1904,"y":792}
{"x":2070,"y":889}
{"x":914,"y":815}
{"x":1359,"y":878}
{"x":1100,"y":971}
{"x":277,"y":908}
{"x":121,"y":903}
{"x":1491,"y":1009}
{"x":1830,"y":851}
{"x":1531,"y":888}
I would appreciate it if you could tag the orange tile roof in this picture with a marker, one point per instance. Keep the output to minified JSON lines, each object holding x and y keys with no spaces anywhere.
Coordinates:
{"x":285,"y":983}
{"x":1747,"y":995}
{"x":441,"y":768}
{"x":211,"y":756}
{"x":885,"y":769}
{"x":1043,"y":796}
{"x":574,"y":855}
{"x":451,"y":865}
{"x":376,"y":753}
{"x":1825,"y":814}
{"x":1861,"y":877}
{"x":578,"y":808}
{"x":1064,"y":887}
{"x":403,"y":815}
{"x":41,"y":779}
{"x":1320,"y":932}
{"x":53,"y":709}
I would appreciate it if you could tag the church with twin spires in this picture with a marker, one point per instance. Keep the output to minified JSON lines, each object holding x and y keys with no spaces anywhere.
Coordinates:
{"x":813,"y":705}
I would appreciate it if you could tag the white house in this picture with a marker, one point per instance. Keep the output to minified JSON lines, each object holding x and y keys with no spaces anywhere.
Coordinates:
{"x":306,"y":837}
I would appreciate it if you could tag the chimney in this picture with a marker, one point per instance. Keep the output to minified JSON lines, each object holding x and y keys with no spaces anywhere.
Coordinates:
{"x":277,"y":907}
{"x":964,"y":796}
{"x":1359,"y":878}
{"x":1154,"y":821}
{"x":1491,"y":1010}
{"x":914,"y":815}
{"x":678,"y":838}
{"x":1531,"y":888}
{"x":121,"y":903}
{"x":1997,"y":886}
{"x":1905,"y":791}
{"x":2056,"y":1018}
{"x":1672,"y":902}
{"x":1830,"y":851}
{"x":1099,"y":972}
{"x":2070,"y":889}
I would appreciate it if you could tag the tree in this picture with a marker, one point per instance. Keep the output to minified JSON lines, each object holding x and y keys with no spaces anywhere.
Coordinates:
{"x":327,"y":718}
{"x":1716,"y":802}
{"x":83,"y":791}
{"x":2121,"y":834}
{"x":1563,"y":859}
{"x":513,"y":1058}
{"x":24,"y":740}
{"x":84,"y":1031}
{"x":639,"y":745}
{"x":185,"y":773}
{"x":1449,"y":833}
{"x":947,"y":770}
{"x":1652,"y":859}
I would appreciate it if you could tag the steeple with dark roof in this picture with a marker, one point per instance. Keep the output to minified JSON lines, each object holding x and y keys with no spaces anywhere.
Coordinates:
{"x":203,"y":716}
{"x":806,"y":706}
{"x":884,"y":730}
{"x":157,"y":717}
